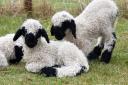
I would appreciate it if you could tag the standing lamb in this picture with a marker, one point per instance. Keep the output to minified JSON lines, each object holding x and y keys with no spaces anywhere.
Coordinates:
{"x":57,"y":58}
{"x":96,"y":21}
{"x":10,"y":52}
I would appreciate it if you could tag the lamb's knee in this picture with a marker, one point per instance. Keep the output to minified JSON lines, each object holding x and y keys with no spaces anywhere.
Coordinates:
{"x":33,"y":67}
{"x":108,"y":49}
{"x":18,"y":55}
{"x":3,"y":61}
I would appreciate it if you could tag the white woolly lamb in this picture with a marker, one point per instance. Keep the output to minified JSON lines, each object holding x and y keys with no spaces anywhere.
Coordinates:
{"x":97,"y":20}
{"x":10,"y":52}
{"x":57,"y":58}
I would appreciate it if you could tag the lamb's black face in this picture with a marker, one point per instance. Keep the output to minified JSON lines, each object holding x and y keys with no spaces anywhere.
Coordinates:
{"x":31,"y":40}
{"x":59,"y":31}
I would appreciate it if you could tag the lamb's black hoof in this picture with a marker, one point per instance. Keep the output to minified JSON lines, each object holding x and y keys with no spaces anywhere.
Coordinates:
{"x":106,"y":56}
{"x":49,"y":71}
{"x":81,"y":71}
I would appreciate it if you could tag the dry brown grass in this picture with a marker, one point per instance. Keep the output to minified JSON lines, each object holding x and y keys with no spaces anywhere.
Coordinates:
{"x":43,"y":10}
{"x":123,"y":6}
{"x":11,"y":9}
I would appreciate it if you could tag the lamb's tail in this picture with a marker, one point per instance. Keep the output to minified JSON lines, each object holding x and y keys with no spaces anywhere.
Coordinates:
{"x":63,"y":71}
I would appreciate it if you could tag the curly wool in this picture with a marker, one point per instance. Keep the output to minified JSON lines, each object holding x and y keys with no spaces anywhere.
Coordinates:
{"x":7,"y":51}
{"x":64,"y":54}
{"x":96,"y":20}
{"x":43,"y":56}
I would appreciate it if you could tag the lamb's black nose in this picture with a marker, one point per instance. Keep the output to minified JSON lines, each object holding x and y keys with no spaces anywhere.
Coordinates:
{"x":30,"y":37}
{"x":30,"y":40}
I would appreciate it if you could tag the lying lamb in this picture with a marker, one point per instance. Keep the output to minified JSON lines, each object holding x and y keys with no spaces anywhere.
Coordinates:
{"x":53,"y":59}
{"x":96,"y":21}
{"x":10,"y":52}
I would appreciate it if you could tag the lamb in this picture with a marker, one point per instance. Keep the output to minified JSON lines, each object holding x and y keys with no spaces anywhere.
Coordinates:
{"x":95,"y":22}
{"x":10,"y":52}
{"x":52,"y":58}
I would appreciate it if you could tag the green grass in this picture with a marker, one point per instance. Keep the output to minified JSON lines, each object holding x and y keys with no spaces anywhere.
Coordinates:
{"x":114,"y":73}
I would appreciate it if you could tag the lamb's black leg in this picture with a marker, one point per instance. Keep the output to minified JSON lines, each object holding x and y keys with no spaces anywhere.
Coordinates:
{"x":95,"y":53}
{"x":109,"y":47}
{"x":49,"y":71}
{"x":52,"y":71}
{"x":18,"y":55}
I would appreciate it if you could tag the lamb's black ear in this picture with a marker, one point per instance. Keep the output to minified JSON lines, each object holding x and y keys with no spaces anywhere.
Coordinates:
{"x":73,"y":28}
{"x":18,"y":34}
{"x":44,"y":34}
{"x":52,"y":30}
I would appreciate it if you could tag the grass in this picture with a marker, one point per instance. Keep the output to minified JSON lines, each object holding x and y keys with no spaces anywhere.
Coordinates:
{"x":114,"y":73}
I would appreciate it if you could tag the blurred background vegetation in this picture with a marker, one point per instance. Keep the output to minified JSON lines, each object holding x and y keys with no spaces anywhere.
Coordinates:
{"x":46,"y":8}
{"x":14,"y":12}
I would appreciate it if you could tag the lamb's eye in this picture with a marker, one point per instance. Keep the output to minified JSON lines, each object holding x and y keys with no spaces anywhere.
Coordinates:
{"x":38,"y":34}
{"x":25,"y":32}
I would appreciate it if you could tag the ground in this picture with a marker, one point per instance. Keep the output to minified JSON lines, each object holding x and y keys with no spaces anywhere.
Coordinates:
{"x":114,"y":73}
